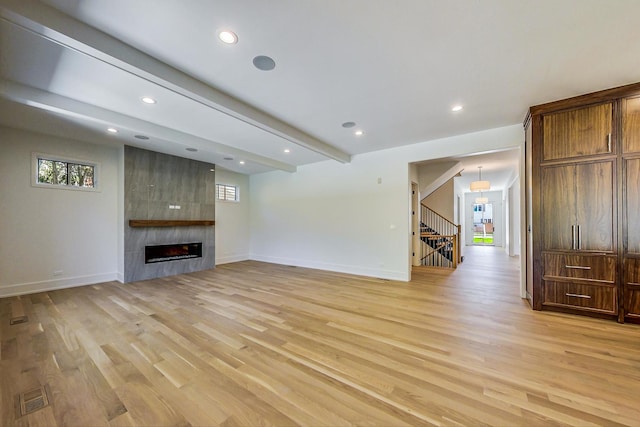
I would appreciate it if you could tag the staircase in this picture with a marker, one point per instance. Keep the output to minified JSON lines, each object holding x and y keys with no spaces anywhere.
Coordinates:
{"x":440,"y":240}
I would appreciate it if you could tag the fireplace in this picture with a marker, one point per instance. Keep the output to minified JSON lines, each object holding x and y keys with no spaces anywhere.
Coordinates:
{"x":164,"y":253}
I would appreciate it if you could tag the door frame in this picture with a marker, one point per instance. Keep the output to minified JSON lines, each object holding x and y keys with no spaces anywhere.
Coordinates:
{"x":415,"y":224}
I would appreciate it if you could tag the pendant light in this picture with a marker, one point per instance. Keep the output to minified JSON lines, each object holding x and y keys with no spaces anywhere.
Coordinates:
{"x":480,"y":185}
{"x":482,"y":200}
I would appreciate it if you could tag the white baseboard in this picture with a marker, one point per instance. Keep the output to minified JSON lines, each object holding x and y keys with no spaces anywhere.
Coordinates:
{"x":231,"y":258}
{"x":50,"y":285}
{"x":338,"y":268}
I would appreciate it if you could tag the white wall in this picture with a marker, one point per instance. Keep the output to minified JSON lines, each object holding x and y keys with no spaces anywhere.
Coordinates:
{"x":343,"y":217}
{"x":55,"y":238}
{"x":351,"y":217}
{"x":441,"y":201}
{"x":513,"y":198}
{"x":334,"y":216}
{"x":232,"y":220}
{"x":435,"y":174}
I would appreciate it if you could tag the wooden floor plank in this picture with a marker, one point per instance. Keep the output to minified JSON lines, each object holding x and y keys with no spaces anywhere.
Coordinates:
{"x":252,"y":343}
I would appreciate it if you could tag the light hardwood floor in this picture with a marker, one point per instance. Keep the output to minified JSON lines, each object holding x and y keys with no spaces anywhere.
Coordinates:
{"x":256,"y":344}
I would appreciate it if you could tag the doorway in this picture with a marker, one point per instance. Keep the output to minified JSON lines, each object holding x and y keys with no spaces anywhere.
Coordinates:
{"x":483,"y":224}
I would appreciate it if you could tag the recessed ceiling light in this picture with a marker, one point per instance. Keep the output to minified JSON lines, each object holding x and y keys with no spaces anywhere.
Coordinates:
{"x":358,"y":133}
{"x":228,"y":37}
{"x":112,"y":130}
{"x":456,"y":108}
{"x":286,"y":150}
{"x":242,"y":162}
{"x":212,"y":170}
{"x":142,"y":137}
{"x":148,"y":100}
{"x":264,"y":63}
{"x":348,"y":124}
{"x":193,"y":150}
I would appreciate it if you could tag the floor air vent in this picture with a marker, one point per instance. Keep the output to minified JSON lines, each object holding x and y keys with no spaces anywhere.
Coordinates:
{"x":32,"y":401}
{"x":18,"y":320}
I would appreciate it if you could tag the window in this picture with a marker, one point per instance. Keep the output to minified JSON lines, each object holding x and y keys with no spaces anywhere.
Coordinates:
{"x":64,"y":173}
{"x":227,"y":192}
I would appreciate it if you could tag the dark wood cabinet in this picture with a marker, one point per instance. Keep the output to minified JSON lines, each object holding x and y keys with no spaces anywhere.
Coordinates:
{"x":631,"y":124}
{"x":596,"y":298}
{"x":578,"y":207}
{"x":632,"y":289}
{"x":582,"y":267}
{"x":558,"y":207}
{"x":595,"y":206}
{"x":631,"y":207}
{"x":580,"y":282}
{"x":577,"y":133}
{"x":584,"y":204}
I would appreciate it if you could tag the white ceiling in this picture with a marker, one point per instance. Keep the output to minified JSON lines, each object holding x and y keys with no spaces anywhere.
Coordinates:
{"x":499,"y":168}
{"x":75,"y":67}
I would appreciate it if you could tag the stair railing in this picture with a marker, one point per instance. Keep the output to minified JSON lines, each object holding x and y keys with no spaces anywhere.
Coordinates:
{"x":440,"y":239}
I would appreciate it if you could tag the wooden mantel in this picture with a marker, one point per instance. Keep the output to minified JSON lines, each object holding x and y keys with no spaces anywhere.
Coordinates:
{"x":169,"y":223}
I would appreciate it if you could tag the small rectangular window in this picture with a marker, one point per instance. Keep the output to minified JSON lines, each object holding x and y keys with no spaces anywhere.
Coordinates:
{"x":64,"y":173}
{"x":227,"y":192}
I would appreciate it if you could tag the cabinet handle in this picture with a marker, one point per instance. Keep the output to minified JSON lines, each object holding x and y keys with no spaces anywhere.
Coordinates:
{"x":577,"y":267}
{"x":609,"y":142}
{"x":578,"y":295}
{"x":573,"y":237}
{"x":579,"y":238}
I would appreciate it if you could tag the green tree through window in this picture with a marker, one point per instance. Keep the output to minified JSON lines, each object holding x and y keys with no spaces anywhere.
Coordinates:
{"x":57,"y":172}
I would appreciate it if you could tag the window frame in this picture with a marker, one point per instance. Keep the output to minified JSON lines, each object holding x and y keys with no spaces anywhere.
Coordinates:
{"x":237,"y":192}
{"x":37,"y":156}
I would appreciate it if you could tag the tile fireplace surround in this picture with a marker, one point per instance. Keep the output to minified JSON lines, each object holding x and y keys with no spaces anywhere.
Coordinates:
{"x":167,"y":188}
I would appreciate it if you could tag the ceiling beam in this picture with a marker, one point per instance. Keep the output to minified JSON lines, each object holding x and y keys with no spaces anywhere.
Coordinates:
{"x":79,"y":110}
{"x":54,"y":25}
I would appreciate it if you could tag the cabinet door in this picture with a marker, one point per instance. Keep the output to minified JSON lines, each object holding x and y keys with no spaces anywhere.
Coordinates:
{"x":576,"y":133}
{"x":632,"y":205}
{"x":558,"y":207}
{"x":632,"y":287}
{"x":631,"y":125}
{"x":595,"y":206}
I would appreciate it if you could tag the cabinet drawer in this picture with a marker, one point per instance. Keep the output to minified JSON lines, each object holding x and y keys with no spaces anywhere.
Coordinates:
{"x":586,"y":297}
{"x":586,"y":267}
